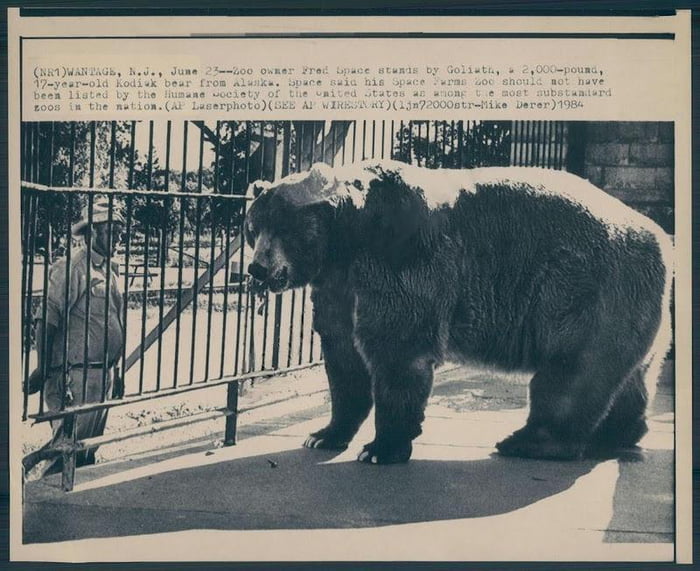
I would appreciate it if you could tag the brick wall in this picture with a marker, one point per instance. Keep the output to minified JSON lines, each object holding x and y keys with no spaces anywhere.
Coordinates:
{"x":634,"y":162}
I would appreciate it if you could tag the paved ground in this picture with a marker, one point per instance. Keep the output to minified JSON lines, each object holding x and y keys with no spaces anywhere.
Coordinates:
{"x":269,"y":499}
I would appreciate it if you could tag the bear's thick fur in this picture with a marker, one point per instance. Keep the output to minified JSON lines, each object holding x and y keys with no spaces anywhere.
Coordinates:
{"x":520,"y":268}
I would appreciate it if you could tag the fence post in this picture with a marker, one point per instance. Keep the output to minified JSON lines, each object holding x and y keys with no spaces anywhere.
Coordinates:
{"x":576,"y":147}
{"x":232,"y":414}
{"x":68,"y":437}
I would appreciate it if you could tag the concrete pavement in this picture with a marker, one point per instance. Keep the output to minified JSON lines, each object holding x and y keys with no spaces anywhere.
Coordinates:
{"x":269,"y":499}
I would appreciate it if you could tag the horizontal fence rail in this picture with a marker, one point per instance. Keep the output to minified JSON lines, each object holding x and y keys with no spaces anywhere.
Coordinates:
{"x":190,"y":316}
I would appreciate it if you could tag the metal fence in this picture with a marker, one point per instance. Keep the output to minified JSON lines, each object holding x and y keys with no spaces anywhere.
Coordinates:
{"x":191,"y":317}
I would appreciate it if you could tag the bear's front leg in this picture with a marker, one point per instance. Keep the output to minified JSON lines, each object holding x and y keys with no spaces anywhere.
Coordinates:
{"x":350,"y":389}
{"x":401,"y":391}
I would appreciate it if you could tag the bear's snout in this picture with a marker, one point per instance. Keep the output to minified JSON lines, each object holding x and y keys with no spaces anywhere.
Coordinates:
{"x":276,"y":281}
{"x":258,"y":271}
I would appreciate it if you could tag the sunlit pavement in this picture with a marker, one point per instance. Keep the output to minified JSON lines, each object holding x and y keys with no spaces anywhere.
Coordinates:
{"x":269,"y":499}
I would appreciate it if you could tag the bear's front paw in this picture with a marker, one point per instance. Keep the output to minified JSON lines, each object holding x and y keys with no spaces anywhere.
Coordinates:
{"x":379,"y":453}
{"x":539,"y":443}
{"x":327,"y":439}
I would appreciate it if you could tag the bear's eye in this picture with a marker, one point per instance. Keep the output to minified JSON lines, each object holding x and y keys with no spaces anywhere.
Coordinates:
{"x":249,"y":233}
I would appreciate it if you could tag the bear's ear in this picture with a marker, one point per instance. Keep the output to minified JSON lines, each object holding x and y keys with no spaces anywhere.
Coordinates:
{"x":256,"y":188}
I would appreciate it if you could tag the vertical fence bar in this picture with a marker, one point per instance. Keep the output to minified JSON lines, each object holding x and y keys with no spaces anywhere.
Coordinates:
{"x":246,"y":360}
{"x":241,"y":286}
{"x":383,"y":138}
{"x":364,"y":139}
{"x":35,"y":152}
{"x":354,"y":137}
{"x":25,"y":208}
{"x":303,"y":306}
{"x":46,"y":361}
{"x":108,"y":293}
{"x":69,"y":233}
{"x":66,"y":314}
{"x":334,"y":144}
{"x":250,"y":305}
{"x":212,"y":247}
{"x":195,"y":285}
{"x":227,"y":266}
{"x":88,"y":292}
{"x":24,"y":215}
{"x":112,"y":152}
{"x":227,"y":276}
{"x":210,"y":295}
{"x":286,"y":157}
{"x":266,"y":318}
{"x":344,"y":145}
{"x":110,"y":182}
{"x":163,"y":251}
{"x":443,"y":143}
{"x":146,"y":255}
{"x":302,"y":312}
{"x":180,"y":255}
{"x":522,"y":142}
{"x":232,"y":417}
{"x":28,"y":262}
{"x":127,"y":238}
{"x":560,"y":145}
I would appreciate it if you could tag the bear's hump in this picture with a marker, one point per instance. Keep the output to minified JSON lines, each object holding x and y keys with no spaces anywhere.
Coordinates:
{"x":442,"y":188}
{"x":609,"y":210}
{"x":437,"y":187}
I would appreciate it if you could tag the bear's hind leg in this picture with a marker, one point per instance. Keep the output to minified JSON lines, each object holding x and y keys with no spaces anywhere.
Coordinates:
{"x":625,"y":424}
{"x":568,"y":400}
{"x":351,"y":393}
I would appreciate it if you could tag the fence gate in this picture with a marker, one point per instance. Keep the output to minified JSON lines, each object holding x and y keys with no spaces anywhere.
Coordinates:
{"x":190,"y":316}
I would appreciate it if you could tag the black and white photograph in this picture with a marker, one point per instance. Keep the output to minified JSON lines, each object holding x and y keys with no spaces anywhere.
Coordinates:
{"x":417,"y":261}
{"x":399,"y":338}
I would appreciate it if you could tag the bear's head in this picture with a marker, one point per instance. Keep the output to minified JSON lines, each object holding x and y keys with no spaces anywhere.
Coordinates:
{"x":288,"y":226}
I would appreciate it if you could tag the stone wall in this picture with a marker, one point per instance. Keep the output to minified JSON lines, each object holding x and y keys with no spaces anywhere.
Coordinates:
{"x":634,"y":162}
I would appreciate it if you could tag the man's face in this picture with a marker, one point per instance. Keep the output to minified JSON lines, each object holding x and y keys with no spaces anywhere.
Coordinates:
{"x":100,"y":238}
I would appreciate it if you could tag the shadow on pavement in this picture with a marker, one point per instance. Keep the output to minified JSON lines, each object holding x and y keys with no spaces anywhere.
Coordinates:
{"x":301,"y":492}
{"x":643,"y":500}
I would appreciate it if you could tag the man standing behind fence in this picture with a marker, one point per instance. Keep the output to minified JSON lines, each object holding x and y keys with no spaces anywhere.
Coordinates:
{"x":72,"y":308}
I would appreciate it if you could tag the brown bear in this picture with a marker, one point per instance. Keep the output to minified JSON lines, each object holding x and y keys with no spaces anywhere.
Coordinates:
{"x":520,"y":268}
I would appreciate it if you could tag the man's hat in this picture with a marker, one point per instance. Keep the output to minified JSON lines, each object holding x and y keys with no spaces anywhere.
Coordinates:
{"x":100,"y":215}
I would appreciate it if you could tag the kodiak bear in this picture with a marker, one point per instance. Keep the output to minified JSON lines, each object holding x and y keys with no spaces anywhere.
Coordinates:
{"x":520,"y":268}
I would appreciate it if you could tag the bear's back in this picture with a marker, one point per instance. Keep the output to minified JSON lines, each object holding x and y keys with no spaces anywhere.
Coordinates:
{"x":442,"y":188}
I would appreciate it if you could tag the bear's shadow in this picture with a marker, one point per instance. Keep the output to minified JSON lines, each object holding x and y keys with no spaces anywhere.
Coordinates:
{"x":302,"y":491}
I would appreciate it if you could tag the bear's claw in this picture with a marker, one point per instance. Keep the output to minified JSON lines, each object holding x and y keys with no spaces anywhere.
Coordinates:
{"x":324,"y":442}
{"x":374,"y":453}
{"x":364,"y":457}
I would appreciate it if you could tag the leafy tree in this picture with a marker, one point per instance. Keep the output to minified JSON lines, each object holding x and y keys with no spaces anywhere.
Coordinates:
{"x":454,"y":144}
